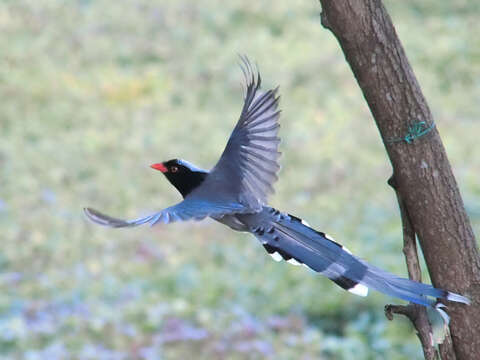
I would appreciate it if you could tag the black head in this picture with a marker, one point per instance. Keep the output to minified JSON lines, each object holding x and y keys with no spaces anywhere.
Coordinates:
{"x":181,"y":174}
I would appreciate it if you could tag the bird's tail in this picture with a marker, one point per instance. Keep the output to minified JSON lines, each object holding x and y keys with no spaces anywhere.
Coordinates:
{"x":289,"y":238}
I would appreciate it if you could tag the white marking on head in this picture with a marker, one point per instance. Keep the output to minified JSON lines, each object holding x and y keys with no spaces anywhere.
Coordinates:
{"x":359,"y":289}
{"x":189,"y":165}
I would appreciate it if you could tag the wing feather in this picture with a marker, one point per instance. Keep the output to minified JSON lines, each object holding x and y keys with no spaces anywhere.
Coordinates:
{"x":249,"y":162}
{"x":244,"y":175}
{"x":188,"y":209}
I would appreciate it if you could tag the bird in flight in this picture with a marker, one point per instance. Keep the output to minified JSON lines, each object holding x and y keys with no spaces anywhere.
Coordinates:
{"x":234,"y":192}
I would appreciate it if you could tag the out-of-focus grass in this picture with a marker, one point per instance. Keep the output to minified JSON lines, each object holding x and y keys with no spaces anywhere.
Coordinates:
{"x":95,"y":91}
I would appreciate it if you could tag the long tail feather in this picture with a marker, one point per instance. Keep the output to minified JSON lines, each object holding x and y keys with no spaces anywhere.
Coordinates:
{"x":289,"y":238}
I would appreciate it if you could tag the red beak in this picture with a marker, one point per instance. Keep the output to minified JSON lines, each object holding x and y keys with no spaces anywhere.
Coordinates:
{"x":159,"y":167}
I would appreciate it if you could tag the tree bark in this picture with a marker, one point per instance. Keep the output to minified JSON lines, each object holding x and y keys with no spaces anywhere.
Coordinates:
{"x":417,"y":314}
{"x":422,"y":172}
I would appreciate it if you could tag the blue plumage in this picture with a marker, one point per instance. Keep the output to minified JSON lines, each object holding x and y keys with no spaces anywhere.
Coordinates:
{"x":294,"y":239}
{"x":235,"y":193}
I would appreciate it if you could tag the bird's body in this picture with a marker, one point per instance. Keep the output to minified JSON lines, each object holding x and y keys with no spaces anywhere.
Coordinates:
{"x":234,"y":192}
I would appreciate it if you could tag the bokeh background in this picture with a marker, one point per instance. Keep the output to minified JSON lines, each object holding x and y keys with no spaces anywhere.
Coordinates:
{"x":93,"y":92}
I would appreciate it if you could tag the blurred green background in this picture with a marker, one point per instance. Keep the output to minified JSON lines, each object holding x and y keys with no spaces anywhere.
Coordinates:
{"x":93,"y":92}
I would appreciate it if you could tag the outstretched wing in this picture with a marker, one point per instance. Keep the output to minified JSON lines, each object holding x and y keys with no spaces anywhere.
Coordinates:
{"x":188,"y":209}
{"x":249,"y":162}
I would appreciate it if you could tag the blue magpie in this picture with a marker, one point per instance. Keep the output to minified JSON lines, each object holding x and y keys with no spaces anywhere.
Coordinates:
{"x":234,"y":192}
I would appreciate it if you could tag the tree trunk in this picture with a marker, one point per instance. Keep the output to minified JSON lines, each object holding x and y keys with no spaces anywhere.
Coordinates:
{"x":421,"y":171}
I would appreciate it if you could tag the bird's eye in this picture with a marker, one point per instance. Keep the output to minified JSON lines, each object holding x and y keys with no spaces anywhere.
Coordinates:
{"x":174,"y":169}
